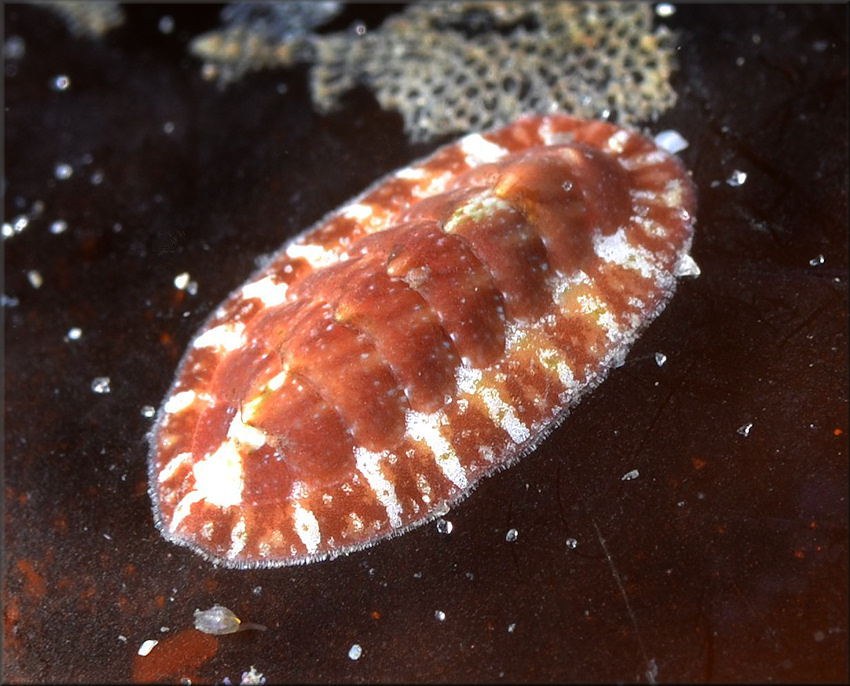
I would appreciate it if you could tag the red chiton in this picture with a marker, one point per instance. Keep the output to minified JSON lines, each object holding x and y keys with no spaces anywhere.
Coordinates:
{"x":427,"y":334}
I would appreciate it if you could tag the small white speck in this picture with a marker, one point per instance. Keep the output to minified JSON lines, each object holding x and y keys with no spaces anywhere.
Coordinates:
{"x":168,"y":127}
{"x":164,"y":629}
{"x":665,"y":9}
{"x":107,"y":537}
{"x":257,"y":590}
{"x":355,"y":651}
{"x":122,"y":638}
{"x":166,"y":24}
{"x":35,"y":278}
{"x":745,"y":429}
{"x":148,"y":411}
{"x":97,"y":178}
{"x":660,"y":359}
{"x":512,"y":535}
{"x":511,"y":627}
{"x":181,"y":280}
{"x":60,"y":82}
{"x":360,"y":29}
{"x":440,"y":616}
{"x":147,"y":647}
{"x":671,"y":141}
{"x":572,"y":543}
{"x":74,"y":333}
{"x":815,"y":261}
{"x":59,"y":226}
{"x":737,"y":178}
{"x":21,"y":222}
{"x":100,"y":384}
{"x":444,"y":526}
{"x":63,"y":171}
{"x":628,"y":476}
{"x":8,"y":231}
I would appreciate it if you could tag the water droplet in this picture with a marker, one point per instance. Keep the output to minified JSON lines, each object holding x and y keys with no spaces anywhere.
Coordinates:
{"x":512,"y":535}
{"x":100,"y":384}
{"x":572,"y":543}
{"x":355,"y":651}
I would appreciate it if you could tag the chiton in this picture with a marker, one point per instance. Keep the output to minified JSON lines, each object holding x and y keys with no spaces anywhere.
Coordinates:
{"x":427,"y":334}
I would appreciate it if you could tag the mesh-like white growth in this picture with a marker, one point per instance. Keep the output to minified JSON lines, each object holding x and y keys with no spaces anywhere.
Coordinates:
{"x":466,"y":66}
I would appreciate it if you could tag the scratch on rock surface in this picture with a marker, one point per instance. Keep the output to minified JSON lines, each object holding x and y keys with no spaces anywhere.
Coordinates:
{"x":651,"y":666}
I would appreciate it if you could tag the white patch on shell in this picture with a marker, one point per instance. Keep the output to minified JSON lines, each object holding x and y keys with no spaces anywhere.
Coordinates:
{"x":171,"y":466}
{"x":266,"y":291}
{"x":307,"y":528}
{"x":426,"y":428}
{"x":179,"y":402}
{"x":504,"y":416}
{"x":478,"y":150}
{"x":358,"y":212}
{"x":315,"y":255}
{"x":617,"y":250}
{"x":369,"y":465}
{"x":226,"y":337}
{"x":218,"y":478}
{"x":238,"y":538}
{"x":244,"y":433}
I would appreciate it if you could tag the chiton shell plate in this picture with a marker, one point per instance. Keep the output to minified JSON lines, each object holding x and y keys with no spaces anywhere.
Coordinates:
{"x":425,"y":335}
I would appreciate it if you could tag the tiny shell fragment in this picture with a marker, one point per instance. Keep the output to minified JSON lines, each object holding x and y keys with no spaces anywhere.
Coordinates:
{"x":427,"y":334}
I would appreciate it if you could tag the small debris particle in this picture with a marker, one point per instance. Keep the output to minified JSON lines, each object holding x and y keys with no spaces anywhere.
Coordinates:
{"x":660,"y":359}
{"x":59,"y":226}
{"x":122,"y":638}
{"x":817,"y":260}
{"x":166,"y":24}
{"x":671,"y":141}
{"x":512,"y":535}
{"x":737,"y":178}
{"x":74,"y":333}
{"x":511,"y":627}
{"x":572,"y":543}
{"x":745,"y":429}
{"x":60,"y":82}
{"x":440,"y":615}
{"x":148,"y":411}
{"x":252,"y":677}
{"x":100,"y":384}
{"x":35,"y":278}
{"x":147,"y":647}
{"x":628,"y":476}
{"x":355,"y":651}
{"x":444,"y":526}
{"x":63,"y":171}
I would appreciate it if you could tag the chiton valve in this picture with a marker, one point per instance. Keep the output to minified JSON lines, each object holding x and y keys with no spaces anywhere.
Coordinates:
{"x":428,"y":333}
